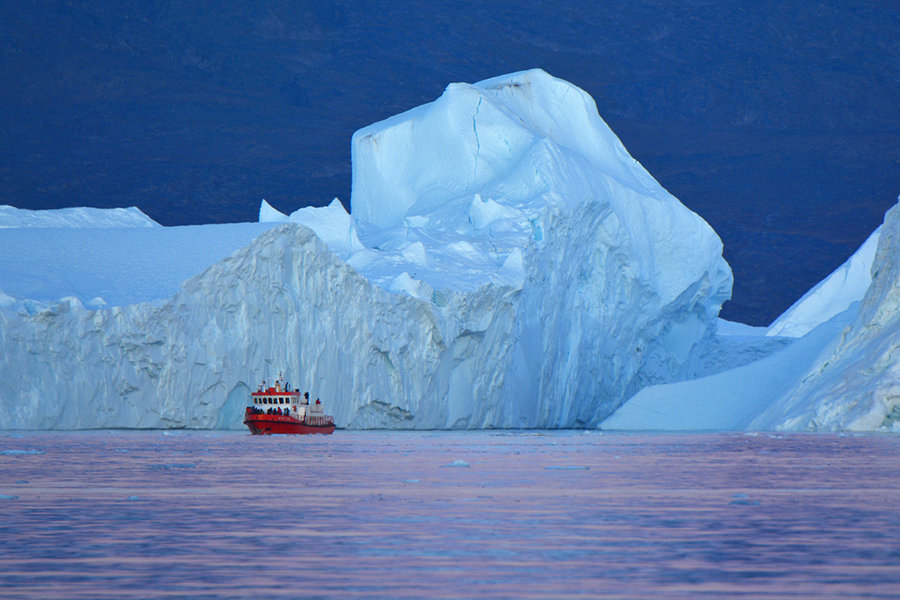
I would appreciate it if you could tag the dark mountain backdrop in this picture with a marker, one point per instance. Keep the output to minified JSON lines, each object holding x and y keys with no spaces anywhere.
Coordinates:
{"x":778,"y":122}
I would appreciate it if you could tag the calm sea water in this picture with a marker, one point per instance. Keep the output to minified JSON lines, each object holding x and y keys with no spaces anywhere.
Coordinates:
{"x":115,"y":514}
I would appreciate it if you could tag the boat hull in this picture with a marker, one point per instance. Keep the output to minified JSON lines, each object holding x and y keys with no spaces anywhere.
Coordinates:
{"x":269,"y":424}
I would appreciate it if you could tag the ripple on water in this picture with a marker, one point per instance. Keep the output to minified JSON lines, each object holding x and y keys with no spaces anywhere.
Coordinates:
{"x":378,"y":514}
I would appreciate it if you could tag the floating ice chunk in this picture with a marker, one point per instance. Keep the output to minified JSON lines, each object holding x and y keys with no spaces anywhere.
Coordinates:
{"x":268,"y":214}
{"x":7,"y":497}
{"x":741,"y":499}
{"x":567,"y":468}
{"x":16,"y":452}
{"x":458,"y":463}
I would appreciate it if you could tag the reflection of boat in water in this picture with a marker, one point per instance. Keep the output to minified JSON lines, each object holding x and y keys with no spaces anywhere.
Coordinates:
{"x":279,"y":409}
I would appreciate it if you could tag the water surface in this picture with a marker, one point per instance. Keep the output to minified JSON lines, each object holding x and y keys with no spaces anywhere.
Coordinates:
{"x":114,"y":514}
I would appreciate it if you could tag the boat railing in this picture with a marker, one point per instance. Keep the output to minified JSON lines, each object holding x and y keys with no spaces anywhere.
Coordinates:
{"x":315,"y":420}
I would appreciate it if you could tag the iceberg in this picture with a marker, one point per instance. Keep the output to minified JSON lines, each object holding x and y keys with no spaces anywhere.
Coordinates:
{"x":854,"y":384}
{"x":81,"y":217}
{"x":836,"y":372}
{"x":506,"y":263}
{"x":729,"y":400}
{"x":834,"y":294}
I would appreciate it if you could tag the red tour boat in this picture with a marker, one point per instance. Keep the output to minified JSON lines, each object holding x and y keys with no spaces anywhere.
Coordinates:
{"x":280,"y":409}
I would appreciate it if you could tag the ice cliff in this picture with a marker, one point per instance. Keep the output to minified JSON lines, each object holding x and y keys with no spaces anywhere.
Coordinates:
{"x":838,"y":370}
{"x":855,"y":382}
{"x":506,"y":264}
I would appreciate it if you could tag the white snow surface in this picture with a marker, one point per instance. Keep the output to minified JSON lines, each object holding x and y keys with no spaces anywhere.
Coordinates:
{"x":506,"y":264}
{"x":113,"y":266}
{"x":333,"y":226}
{"x":840,"y":375}
{"x":854,"y":383}
{"x":487,"y":167}
{"x":732,"y":328}
{"x":269,"y":214}
{"x":834,"y":294}
{"x":729,"y":400}
{"x":11,"y":216}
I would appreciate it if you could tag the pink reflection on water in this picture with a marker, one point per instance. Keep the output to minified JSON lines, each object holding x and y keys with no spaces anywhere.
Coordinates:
{"x":440,"y":514}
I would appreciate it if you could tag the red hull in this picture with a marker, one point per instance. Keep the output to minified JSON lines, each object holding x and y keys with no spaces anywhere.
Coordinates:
{"x":266,"y":424}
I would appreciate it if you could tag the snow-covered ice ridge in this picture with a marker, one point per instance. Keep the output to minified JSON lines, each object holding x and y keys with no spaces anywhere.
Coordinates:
{"x":854,"y":383}
{"x":507,"y":264}
{"x":834,"y":294}
{"x":11,"y":216}
{"x":838,"y":370}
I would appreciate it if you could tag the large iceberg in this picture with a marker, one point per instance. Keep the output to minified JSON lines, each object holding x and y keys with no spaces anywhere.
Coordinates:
{"x":854,"y":383}
{"x":506,"y":264}
{"x":837,"y":370}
